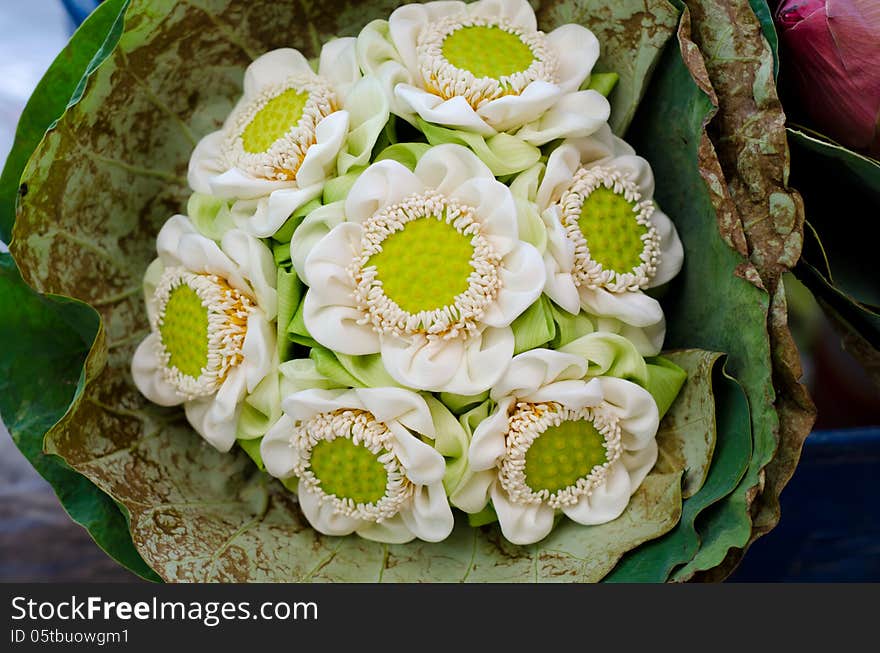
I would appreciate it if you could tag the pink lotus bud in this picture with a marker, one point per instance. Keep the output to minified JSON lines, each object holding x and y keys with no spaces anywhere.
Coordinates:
{"x":832,"y":57}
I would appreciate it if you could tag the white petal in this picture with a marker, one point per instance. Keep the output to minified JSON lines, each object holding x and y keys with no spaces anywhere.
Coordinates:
{"x":510,"y":112}
{"x":429,"y":517}
{"x":146,"y":370}
{"x":152,"y":276}
{"x":531,"y":370}
{"x":311,"y":230}
{"x":322,"y":516}
{"x":446,"y":167}
{"x":398,"y":405}
{"x":304,"y":405}
{"x":486,"y":357}
{"x":472,"y":495}
{"x":522,"y":282}
{"x":420,"y":363}
{"x":216,"y":418}
{"x":279,"y":457}
{"x":521,"y":523}
{"x":562,"y":164}
{"x":671,"y":249}
{"x":258,"y":349}
{"x":206,"y":162}
{"x":200,"y":254}
{"x":423,"y":464}
{"x":577,"y":50}
{"x":638,"y":170}
{"x":382,"y":184}
{"x":368,"y":109}
{"x":574,"y":115}
{"x":454,"y":113}
{"x":389,"y":531}
{"x":639,"y":463}
{"x":168,"y":239}
{"x":607,"y":502}
{"x":264,"y":217}
{"x":336,"y":327}
{"x":490,"y":437}
{"x":320,"y":158}
{"x":635,"y":308}
{"x":636,"y":409}
{"x":237,"y":184}
{"x":257,"y":266}
{"x":274,"y":67}
{"x":518,"y":12}
{"x":574,"y":394}
{"x":338,"y":64}
{"x":496,"y":210}
{"x":379,"y":59}
{"x":407,"y":22}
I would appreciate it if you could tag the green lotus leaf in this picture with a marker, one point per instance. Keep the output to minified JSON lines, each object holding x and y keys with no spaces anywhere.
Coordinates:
{"x":112,"y":170}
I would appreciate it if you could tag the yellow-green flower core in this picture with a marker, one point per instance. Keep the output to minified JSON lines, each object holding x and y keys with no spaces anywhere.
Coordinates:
{"x":184,"y":331}
{"x":609,"y":224}
{"x":563,"y":454}
{"x":425,"y":266}
{"x":487,"y":51}
{"x":348,"y":470}
{"x":274,"y":120}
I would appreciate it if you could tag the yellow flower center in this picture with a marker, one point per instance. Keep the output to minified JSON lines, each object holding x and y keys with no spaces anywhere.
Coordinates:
{"x":184,"y":331}
{"x":562,"y":454}
{"x":610,"y":226}
{"x":487,"y":51}
{"x":349,"y":470}
{"x":279,"y":116}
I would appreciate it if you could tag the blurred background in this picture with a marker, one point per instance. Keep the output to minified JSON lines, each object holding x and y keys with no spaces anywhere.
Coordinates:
{"x":830,"y":528}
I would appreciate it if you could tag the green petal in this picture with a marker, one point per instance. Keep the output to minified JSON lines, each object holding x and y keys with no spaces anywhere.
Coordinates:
{"x":534,"y":328}
{"x":665,"y":379}
{"x":504,"y":154}
{"x":407,"y":154}
{"x":450,"y":440}
{"x":603,"y":83}
{"x":608,"y":354}
{"x":210,"y":215}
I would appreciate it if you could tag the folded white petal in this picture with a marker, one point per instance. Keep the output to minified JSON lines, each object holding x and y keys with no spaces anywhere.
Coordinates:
{"x":429,"y":516}
{"x":337,"y":328}
{"x":573,"y":394}
{"x":258,"y":350}
{"x":522,"y":282}
{"x":322,"y":514}
{"x":517,"y":12}
{"x":607,"y":501}
{"x":490,"y":438}
{"x":200,"y":254}
{"x":382,"y":184}
{"x":237,"y":184}
{"x":206,"y":162}
{"x":274,"y":67}
{"x":389,"y":531}
{"x":314,"y":227}
{"x":577,"y":50}
{"x":265,"y":216}
{"x":338,"y":64}
{"x":406,"y":23}
{"x":574,"y":115}
{"x":320,"y":159}
{"x":636,"y":409}
{"x":521,"y":523}
{"x":257,"y":266}
{"x":496,"y":209}
{"x":147,"y":372}
{"x":562,"y":164}
{"x":634,"y":308}
{"x":423,"y":464}
{"x":168,"y":239}
{"x":510,"y":112}
{"x":278,"y":456}
{"x":420,"y":363}
{"x":446,"y":167}
{"x":216,"y":418}
{"x":472,"y":494}
{"x":486,"y":358}
{"x":671,"y":249}
{"x":531,"y":370}
{"x":454,"y":113}
{"x":639,"y":463}
{"x":398,"y":405}
{"x":151,"y":280}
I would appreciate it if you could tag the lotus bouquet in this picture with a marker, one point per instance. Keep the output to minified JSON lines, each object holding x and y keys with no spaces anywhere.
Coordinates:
{"x":380,"y":293}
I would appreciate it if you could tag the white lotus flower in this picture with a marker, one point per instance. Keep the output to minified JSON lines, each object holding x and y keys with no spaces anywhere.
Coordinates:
{"x":211,"y":343}
{"x":361,"y":463}
{"x":484,"y":67}
{"x":559,"y":442}
{"x":427,"y":269}
{"x":291,"y":131}
{"x":607,"y":239}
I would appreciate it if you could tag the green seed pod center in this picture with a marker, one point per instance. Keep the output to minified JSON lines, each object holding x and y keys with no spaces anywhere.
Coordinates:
{"x":274,"y":120}
{"x":613,"y":234}
{"x":563,"y":454}
{"x":348,"y":470}
{"x":184,"y":331}
{"x":487,"y":51}
{"x":425,"y":266}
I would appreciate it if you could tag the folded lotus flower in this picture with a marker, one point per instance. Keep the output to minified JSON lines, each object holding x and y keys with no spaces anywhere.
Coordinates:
{"x":211,"y":341}
{"x":484,"y":67}
{"x":290,"y":132}
{"x":607,"y":240}
{"x":833,"y":49}
{"x":559,"y":442}
{"x":361,"y":463}
{"x":427,"y":270}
